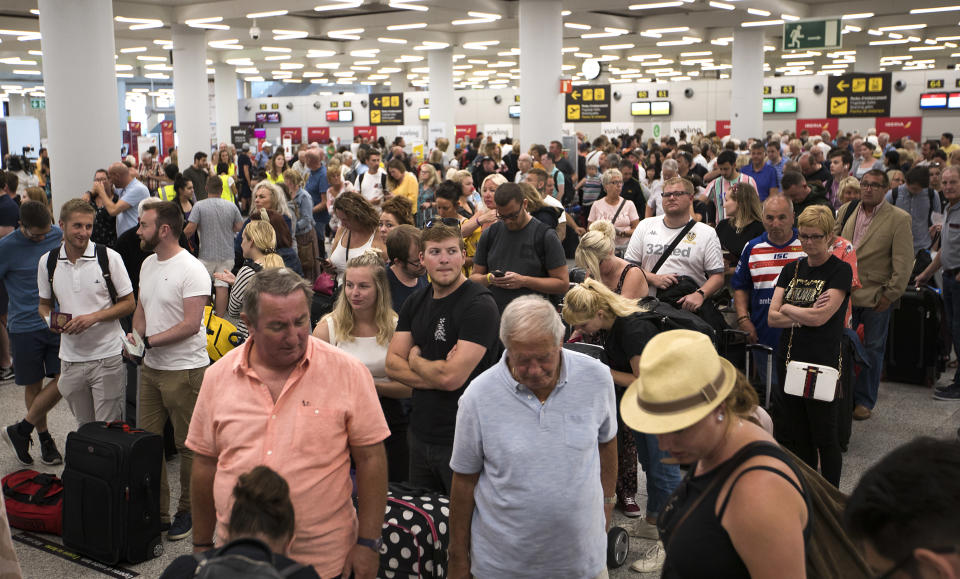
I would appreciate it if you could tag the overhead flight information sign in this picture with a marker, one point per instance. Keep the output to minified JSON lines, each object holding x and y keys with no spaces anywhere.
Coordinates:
{"x":859,"y":95}
{"x":588,"y":103}
{"x":386,"y":109}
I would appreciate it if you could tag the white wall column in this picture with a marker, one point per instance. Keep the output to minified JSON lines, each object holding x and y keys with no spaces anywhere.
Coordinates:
{"x":541,"y":45}
{"x":81,"y":85}
{"x":190,"y":93}
{"x":868,"y":59}
{"x":225,"y":100}
{"x":746,"y":104}
{"x":441,"y":96}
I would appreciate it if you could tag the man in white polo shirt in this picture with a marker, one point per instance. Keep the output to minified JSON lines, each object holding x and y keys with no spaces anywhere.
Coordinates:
{"x":92,"y":375}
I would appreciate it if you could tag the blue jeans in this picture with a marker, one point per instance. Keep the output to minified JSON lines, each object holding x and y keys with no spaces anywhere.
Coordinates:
{"x":662,"y":479}
{"x":875,"y":326}
{"x":321,"y":218}
{"x":951,"y":305}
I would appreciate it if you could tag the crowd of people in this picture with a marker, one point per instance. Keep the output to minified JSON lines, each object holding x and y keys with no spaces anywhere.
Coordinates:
{"x":440,"y":360}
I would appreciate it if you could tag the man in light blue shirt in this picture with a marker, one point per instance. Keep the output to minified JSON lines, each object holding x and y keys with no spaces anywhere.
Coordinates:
{"x":130,"y":191}
{"x":537,"y":428}
{"x":920,"y":201}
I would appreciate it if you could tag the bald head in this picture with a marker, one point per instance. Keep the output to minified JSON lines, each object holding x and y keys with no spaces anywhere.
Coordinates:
{"x":778,"y":219}
{"x":119,"y":175}
{"x":312,"y":158}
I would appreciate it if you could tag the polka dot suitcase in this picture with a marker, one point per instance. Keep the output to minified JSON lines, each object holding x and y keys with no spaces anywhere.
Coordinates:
{"x":415,"y":535}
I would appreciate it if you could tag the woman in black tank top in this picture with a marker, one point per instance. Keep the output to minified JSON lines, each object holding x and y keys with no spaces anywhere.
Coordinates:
{"x":742,"y":510}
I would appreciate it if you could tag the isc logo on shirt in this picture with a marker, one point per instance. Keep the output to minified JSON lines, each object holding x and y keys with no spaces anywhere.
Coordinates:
{"x":781,"y":255}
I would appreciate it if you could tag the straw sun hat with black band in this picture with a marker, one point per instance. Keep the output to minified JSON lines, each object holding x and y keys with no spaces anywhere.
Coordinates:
{"x":682,"y":379}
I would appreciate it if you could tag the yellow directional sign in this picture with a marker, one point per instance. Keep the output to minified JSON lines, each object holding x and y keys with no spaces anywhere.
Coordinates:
{"x":838,"y":106}
{"x":386,"y":109}
{"x":588,"y":104}
{"x":858,"y":94}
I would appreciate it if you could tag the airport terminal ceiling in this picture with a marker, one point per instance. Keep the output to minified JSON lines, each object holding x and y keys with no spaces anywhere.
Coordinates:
{"x":361,"y":45}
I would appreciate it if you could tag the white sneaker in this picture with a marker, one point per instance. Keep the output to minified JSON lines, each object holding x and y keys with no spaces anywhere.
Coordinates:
{"x":651,"y":560}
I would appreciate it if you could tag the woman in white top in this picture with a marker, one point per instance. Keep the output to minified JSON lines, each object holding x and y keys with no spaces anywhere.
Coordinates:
{"x":259,"y":245}
{"x":359,"y":223}
{"x":362,"y":324}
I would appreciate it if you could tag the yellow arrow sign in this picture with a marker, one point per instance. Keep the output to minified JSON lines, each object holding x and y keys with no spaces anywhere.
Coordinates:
{"x":575,"y":95}
{"x":842,"y":86}
{"x":376,"y":102}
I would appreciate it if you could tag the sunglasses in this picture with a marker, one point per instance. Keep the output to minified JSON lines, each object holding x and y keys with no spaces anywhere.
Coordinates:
{"x":448,"y":221}
{"x":508,"y":217}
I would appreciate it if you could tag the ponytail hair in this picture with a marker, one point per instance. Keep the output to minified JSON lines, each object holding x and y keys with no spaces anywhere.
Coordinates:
{"x":595,"y":246}
{"x":262,"y":506}
{"x":585,"y":299}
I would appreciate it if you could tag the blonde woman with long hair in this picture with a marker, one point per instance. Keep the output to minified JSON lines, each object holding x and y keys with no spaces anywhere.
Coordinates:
{"x":591,"y":307}
{"x":259,"y":246}
{"x":362,"y":324}
{"x":596,"y":255}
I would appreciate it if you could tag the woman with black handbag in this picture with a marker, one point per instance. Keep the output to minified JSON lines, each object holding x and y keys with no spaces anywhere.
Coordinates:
{"x":810,"y":302}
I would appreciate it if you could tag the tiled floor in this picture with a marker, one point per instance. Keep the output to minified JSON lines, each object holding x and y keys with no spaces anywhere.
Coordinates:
{"x":904,"y":412}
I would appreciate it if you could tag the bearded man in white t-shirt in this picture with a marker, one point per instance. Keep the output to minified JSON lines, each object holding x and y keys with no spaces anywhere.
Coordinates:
{"x":697,"y":255}
{"x":174,"y":288}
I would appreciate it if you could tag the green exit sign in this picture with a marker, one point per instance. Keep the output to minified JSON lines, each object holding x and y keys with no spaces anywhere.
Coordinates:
{"x":812,"y":34}
{"x":38,"y":103}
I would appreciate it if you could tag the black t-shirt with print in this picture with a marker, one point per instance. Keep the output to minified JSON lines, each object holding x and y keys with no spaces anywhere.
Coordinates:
{"x":436,"y":325}
{"x":626,"y":339}
{"x":817,"y":345}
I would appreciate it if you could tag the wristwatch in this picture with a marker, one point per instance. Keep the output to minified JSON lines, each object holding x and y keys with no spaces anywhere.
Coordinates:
{"x":146,"y":342}
{"x":700,"y":291}
{"x":371,"y":543}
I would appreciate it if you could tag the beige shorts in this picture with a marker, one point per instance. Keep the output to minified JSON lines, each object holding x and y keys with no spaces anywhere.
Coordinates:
{"x":217,"y":267}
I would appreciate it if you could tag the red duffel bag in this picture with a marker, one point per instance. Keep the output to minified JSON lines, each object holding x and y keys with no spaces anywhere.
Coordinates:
{"x":34,"y":501}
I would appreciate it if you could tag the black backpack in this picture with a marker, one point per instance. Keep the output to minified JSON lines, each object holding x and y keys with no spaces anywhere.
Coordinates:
{"x":666,"y":317}
{"x":236,"y":566}
{"x":102,"y":260}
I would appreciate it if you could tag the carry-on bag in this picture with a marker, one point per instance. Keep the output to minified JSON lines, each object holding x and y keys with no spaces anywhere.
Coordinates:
{"x":111,"y":482}
{"x":34,"y":501}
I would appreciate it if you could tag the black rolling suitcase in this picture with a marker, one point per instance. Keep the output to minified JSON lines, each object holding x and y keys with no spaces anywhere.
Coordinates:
{"x":913,"y":341}
{"x":111,"y":483}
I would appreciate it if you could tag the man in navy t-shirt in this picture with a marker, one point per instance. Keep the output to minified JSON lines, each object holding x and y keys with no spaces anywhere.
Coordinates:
{"x":406,"y":273}
{"x":36,"y":349}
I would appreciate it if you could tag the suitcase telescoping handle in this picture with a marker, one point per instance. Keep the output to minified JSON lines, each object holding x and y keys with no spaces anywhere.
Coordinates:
{"x":121,"y":425}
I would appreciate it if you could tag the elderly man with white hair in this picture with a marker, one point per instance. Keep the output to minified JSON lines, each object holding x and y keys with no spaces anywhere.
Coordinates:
{"x":539,"y":425}
{"x":524,"y":164}
{"x":668,"y":170}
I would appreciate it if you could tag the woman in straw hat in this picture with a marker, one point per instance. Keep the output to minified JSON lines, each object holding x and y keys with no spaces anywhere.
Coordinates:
{"x":591,"y":308}
{"x":742,"y":510}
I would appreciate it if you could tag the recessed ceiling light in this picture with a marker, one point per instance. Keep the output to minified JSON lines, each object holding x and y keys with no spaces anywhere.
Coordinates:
{"x":857,"y":16}
{"x":267,"y":14}
{"x":935,"y":9}
{"x":413,"y":26}
{"x":758,"y":12}
{"x":655,"y":5}
{"x":339,"y":5}
{"x":133,"y":49}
